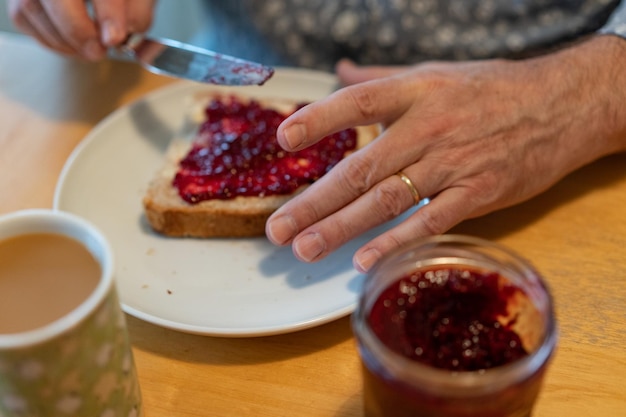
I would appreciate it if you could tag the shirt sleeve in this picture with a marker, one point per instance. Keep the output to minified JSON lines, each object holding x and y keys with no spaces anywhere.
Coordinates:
{"x":616,"y":25}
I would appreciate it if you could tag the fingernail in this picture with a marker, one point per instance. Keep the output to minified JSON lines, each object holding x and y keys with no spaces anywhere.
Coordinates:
{"x":93,"y":50}
{"x":309,"y":247}
{"x":111,"y":33}
{"x":366,"y":260}
{"x":294,"y":135}
{"x":281,"y":230}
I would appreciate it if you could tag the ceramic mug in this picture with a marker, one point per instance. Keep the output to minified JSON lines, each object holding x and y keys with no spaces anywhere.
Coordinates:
{"x":79,"y":363}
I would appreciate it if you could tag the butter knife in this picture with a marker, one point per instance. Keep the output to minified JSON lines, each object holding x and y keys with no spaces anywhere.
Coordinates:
{"x":181,"y":60}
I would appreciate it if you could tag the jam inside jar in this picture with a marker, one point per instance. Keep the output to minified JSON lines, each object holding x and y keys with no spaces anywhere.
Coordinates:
{"x":453,"y":326}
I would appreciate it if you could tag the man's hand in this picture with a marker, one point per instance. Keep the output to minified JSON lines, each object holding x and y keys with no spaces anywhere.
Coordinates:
{"x":474,"y":137}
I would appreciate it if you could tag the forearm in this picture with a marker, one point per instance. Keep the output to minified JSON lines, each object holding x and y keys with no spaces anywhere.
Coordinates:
{"x":612,"y":50}
{"x":595,"y":71}
{"x":607,"y":56}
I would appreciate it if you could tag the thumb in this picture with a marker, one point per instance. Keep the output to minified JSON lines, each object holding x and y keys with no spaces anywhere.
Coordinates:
{"x":350,"y":73}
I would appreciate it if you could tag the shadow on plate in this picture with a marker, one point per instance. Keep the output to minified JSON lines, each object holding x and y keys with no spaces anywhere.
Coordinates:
{"x":298,"y":274}
{"x":282,"y":262}
{"x":151,"y":127}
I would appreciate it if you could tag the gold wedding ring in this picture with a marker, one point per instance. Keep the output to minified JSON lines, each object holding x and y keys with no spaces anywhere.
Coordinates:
{"x":410,"y":185}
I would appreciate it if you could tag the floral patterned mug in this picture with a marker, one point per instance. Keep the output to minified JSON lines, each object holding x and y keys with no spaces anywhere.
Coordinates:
{"x":79,"y":363}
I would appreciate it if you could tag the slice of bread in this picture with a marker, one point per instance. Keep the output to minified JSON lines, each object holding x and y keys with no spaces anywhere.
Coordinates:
{"x":242,"y":216}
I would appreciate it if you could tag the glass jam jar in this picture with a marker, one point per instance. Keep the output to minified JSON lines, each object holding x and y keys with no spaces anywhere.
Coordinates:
{"x":453,"y":326}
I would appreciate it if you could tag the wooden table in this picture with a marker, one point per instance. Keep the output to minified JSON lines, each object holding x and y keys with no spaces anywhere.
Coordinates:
{"x":575,"y":234}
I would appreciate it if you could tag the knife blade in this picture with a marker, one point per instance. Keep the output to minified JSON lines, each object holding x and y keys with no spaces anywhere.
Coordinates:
{"x":181,"y":60}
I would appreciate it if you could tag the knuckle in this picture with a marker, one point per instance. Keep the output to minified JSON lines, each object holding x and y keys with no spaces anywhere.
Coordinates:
{"x":341,"y":232}
{"x":489,"y":180}
{"x":357,"y":175}
{"x":388,"y":242}
{"x":475,"y":194}
{"x":428,"y":224}
{"x":309,"y":213}
{"x":389,"y":200}
{"x":364,"y":101}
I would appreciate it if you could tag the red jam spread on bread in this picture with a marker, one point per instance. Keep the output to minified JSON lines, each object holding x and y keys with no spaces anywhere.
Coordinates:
{"x":449,"y":318}
{"x":236,"y":153}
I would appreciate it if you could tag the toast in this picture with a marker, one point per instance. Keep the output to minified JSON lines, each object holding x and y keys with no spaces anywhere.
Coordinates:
{"x":241,"y":216}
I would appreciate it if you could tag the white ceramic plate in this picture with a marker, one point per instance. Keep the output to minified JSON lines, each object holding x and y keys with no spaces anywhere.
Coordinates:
{"x":219,"y":287}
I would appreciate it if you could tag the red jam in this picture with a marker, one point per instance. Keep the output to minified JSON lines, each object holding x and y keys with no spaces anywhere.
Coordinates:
{"x":237,"y":154}
{"x":449,"y":318}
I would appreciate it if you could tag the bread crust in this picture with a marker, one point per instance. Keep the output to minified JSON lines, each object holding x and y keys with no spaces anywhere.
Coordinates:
{"x":170,"y":215}
{"x":243,"y":216}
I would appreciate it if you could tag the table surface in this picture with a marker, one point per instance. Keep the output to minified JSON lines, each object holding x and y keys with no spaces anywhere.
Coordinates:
{"x":575,"y":234}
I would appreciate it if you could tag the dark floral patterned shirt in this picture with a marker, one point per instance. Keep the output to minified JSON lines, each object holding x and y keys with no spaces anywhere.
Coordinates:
{"x":317,"y":33}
